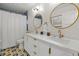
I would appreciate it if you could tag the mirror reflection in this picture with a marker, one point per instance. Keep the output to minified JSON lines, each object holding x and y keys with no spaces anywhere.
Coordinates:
{"x":64,"y":15}
{"x":37,"y":21}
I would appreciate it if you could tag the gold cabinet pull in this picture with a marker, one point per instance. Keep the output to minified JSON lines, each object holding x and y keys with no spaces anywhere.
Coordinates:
{"x":34,"y":52}
{"x":35,"y":46}
{"x":49,"y":50}
{"x":35,"y":39}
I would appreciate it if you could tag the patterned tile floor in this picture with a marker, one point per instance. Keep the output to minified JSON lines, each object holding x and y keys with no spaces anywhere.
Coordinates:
{"x":13,"y":51}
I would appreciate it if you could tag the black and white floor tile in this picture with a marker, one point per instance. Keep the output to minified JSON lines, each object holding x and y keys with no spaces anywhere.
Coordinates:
{"x":13,"y":51}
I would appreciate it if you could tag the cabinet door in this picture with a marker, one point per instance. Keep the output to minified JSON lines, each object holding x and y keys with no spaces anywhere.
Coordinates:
{"x":5,"y":42}
{"x":43,"y":49}
{"x":59,"y":52}
{"x":30,"y":46}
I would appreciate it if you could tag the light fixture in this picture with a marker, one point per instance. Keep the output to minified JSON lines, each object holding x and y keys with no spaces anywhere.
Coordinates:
{"x":38,"y":8}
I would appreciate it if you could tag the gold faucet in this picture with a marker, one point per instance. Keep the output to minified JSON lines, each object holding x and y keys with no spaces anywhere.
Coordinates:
{"x":60,"y":34}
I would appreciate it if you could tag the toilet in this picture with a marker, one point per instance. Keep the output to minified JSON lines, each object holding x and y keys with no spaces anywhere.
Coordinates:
{"x":20,"y":43}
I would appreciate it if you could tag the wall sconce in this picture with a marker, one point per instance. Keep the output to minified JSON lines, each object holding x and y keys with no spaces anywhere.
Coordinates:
{"x":37,"y":8}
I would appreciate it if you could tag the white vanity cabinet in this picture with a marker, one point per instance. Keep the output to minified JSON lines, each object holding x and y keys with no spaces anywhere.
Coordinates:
{"x":41,"y":45}
{"x":35,"y":47}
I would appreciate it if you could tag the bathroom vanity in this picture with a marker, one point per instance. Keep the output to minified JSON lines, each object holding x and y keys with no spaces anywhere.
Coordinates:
{"x":62,"y":17}
{"x":42,"y":45}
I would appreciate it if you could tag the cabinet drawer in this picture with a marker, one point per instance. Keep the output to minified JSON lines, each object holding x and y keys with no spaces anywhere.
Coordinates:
{"x":32,"y":40}
{"x":32,"y":45}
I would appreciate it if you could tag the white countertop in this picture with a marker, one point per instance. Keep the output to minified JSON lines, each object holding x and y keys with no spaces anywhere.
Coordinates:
{"x":64,"y":43}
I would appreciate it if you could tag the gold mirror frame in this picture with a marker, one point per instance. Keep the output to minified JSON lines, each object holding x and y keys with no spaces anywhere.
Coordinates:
{"x":41,"y":21}
{"x":70,"y":24}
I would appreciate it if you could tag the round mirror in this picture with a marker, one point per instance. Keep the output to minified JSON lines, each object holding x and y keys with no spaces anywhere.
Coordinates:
{"x":37,"y":21}
{"x":64,"y":15}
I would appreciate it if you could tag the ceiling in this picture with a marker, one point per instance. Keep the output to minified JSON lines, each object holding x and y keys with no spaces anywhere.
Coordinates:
{"x":17,"y":7}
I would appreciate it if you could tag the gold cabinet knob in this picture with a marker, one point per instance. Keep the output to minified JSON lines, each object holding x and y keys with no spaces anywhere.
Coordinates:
{"x":35,"y":46}
{"x":34,"y":52}
{"x":35,"y":39}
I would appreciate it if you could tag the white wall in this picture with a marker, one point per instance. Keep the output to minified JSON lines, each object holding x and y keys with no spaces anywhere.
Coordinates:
{"x":72,"y":32}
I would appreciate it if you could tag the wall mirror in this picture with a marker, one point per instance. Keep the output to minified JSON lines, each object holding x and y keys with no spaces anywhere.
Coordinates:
{"x":37,"y":21}
{"x":64,"y":15}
